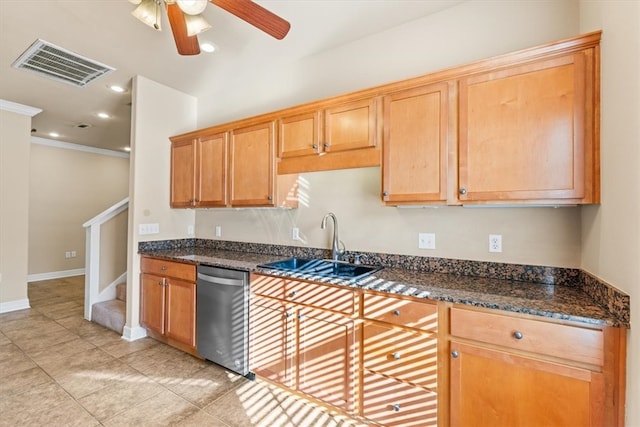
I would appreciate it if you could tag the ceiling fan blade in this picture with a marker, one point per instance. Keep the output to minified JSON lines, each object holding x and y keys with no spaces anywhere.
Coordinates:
{"x":257,"y":16}
{"x":187,"y":45}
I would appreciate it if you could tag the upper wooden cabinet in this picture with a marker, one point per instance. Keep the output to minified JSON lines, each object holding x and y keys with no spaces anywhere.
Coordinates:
{"x":252,"y":170}
{"x":229,"y":167}
{"x":414,"y":145}
{"x":199,"y":171}
{"x":346,"y":132}
{"x":528,"y":132}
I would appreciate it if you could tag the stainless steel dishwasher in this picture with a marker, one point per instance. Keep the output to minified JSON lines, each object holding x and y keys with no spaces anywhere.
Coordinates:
{"x":223,"y":317}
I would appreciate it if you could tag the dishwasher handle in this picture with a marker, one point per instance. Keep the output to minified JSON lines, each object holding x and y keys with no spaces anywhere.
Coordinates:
{"x":220,"y":280}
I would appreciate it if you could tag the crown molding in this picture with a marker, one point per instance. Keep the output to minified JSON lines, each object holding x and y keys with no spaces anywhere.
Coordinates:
{"x":14,"y":107}
{"x":77,"y":147}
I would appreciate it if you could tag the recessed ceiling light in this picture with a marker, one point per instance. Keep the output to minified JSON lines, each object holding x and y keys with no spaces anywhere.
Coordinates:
{"x":54,"y":134}
{"x":103,"y":115}
{"x":207,"y":47}
{"x":117,"y":88}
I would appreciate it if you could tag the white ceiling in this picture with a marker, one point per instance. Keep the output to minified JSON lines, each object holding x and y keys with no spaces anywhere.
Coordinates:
{"x":105,"y":31}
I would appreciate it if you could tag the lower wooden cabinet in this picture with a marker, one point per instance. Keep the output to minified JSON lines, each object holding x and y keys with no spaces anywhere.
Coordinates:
{"x":301,"y":346}
{"x":512,"y":370}
{"x":168,"y":302}
{"x":400,"y":361}
{"x":499,"y":388}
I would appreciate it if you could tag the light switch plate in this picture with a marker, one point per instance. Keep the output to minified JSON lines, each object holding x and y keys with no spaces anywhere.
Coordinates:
{"x":426,"y":240}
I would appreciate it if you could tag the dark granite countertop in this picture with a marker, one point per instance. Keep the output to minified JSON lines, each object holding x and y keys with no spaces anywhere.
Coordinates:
{"x":547,"y":300}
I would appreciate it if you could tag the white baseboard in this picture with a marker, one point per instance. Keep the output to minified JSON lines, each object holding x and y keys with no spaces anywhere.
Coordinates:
{"x":132,"y":334}
{"x":22,"y":304}
{"x":55,"y":275}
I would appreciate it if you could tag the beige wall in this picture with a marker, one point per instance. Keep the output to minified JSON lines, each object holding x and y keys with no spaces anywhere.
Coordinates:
{"x":611,"y":231}
{"x":15,"y":133}
{"x":67,"y":188}
{"x":158,"y":112}
{"x":543,"y":236}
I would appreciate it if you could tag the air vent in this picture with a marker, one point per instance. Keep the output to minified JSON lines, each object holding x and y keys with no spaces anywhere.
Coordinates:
{"x":59,"y":64}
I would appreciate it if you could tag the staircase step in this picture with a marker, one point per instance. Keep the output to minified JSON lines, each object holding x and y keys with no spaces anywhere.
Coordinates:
{"x":110,"y":314}
{"x":121,"y":291}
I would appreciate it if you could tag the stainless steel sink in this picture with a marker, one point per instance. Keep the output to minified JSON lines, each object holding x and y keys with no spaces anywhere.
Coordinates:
{"x":322,"y":268}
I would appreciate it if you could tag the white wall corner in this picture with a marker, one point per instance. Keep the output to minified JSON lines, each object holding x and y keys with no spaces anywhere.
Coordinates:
{"x":22,"y":304}
{"x":133,"y":334}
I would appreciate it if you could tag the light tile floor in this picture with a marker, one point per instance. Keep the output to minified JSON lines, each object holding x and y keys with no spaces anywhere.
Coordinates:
{"x":57,"y":369}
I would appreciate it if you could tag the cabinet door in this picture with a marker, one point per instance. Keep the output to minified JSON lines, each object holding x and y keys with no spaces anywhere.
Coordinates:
{"x":212,"y":166}
{"x":415,"y":140}
{"x":183,"y":173}
{"x":497,"y":388}
{"x":272,"y":338}
{"x":252,"y":165}
{"x":152,"y":300}
{"x":299,"y":135}
{"x":350,"y":126}
{"x":326,"y":357}
{"x":523,"y":131}
{"x":181,"y":311}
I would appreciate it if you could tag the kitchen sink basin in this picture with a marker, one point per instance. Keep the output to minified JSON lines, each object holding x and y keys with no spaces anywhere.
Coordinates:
{"x":323,"y":268}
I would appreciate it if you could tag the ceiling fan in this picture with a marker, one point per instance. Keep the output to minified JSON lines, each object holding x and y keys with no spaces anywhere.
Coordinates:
{"x":186,"y":20}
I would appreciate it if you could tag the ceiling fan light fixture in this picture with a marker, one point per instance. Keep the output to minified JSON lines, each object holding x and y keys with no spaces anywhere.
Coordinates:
{"x":192,"y":7}
{"x":196,"y":24}
{"x":148,"y":12}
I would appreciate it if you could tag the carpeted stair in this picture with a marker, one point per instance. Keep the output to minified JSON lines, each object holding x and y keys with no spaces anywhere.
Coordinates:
{"x":111,"y":314}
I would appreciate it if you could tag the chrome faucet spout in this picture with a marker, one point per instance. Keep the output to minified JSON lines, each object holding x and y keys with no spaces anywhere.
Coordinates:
{"x":336,"y":252}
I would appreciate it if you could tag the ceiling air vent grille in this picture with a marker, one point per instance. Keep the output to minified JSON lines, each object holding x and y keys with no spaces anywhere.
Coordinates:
{"x":56,"y":63}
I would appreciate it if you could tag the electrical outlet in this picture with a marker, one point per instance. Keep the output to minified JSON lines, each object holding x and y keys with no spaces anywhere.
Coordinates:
{"x":73,"y":254}
{"x":148,"y":229}
{"x":67,"y":254}
{"x":426,"y":240}
{"x":218,"y":230}
{"x":495,"y":243}
{"x":295,"y":233}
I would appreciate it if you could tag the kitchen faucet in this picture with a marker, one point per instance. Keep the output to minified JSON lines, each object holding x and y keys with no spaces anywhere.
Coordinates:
{"x":336,"y":253}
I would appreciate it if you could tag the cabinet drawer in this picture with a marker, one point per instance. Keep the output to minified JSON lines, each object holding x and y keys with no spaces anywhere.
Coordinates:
{"x":394,"y":403}
{"x":267,"y":286}
{"x":551,"y":339}
{"x":162,"y":267}
{"x":321,"y":296}
{"x":414,"y":314}
{"x":406,"y":355}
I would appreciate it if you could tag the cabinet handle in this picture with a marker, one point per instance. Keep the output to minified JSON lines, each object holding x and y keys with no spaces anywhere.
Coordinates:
{"x":287,"y":314}
{"x":269,"y":198}
{"x":385,"y":193}
{"x":314,"y":146}
{"x":326,"y":145}
{"x":300,"y":317}
{"x":463,"y":191}
{"x":161,"y":282}
{"x":396,"y":356}
{"x":293,"y":293}
{"x":455,"y":354}
{"x":518,"y":335}
{"x":396,"y":312}
{"x":396,"y":407}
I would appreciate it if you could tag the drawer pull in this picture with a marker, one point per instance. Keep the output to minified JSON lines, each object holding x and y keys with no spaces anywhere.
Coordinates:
{"x":287,"y":314}
{"x":396,"y":407}
{"x":396,"y":356}
{"x":163,"y":268}
{"x":455,"y":354}
{"x":396,"y":312}
{"x":293,"y":293}
{"x":518,"y":335}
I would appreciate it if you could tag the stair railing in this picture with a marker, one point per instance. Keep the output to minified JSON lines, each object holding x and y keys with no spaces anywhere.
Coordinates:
{"x":103,"y":254}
